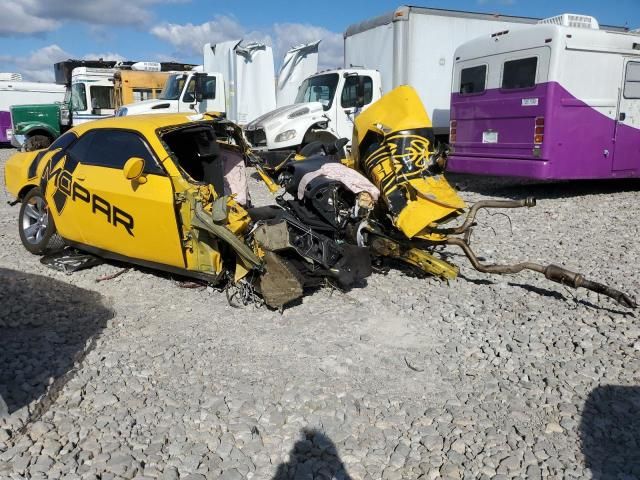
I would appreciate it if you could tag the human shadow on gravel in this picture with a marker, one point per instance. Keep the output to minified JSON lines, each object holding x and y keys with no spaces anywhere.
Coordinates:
{"x":610,"y":432}
{"x":45,"y":326}
{"x":517,"y":188}
{"x":313,"y":456}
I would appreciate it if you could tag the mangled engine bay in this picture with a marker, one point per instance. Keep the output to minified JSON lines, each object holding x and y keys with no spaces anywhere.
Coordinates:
{"x":337,"y":216}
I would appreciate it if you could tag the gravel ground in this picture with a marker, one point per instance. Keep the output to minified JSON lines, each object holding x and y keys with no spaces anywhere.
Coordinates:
{"x":485,"y":377}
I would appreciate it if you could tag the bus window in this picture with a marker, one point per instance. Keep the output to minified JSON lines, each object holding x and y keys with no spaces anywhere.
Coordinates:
{"x":140,"y":94}
{"x":473,"y":79}
{"x":632,"y":81}
{"x":519,"y":73}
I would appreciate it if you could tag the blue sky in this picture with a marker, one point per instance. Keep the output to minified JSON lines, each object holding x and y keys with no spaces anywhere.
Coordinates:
{"x":37,"y":33}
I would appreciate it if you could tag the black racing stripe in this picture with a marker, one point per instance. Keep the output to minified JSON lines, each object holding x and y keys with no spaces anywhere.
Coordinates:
{"x":33,"y":168}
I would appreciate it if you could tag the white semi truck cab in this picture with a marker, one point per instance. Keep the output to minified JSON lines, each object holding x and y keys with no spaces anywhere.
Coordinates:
{"x":183,"y":92}
{"x":324,"y":109}
{"x":90,"y":96}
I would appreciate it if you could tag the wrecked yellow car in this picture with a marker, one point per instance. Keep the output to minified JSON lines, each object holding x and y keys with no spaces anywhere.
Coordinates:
{"x":391,"y":195}
{"x":166,"y":191}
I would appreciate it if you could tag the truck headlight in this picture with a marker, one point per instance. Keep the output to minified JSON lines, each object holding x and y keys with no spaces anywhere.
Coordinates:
{"x":122,"y":112}
{"x":286,"y":135}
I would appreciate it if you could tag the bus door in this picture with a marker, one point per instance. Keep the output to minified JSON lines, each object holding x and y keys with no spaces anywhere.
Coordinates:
{"x":627,"y":150}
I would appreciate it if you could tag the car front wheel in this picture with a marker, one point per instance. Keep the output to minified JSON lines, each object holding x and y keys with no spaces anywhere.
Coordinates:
{"x":37,"y":230}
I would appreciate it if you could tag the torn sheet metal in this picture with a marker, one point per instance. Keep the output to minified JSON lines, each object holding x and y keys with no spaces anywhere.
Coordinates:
{"x":299,"y":63}
{"x":249,"y":73}
{"x":70,"y":260}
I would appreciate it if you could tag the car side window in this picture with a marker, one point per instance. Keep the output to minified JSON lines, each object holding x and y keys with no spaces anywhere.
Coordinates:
{"x":63,"y":141}
{"x":112,"y":148}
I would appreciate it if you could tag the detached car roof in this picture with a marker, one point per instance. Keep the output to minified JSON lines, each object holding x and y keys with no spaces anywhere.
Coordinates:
{"x":147,"y":123}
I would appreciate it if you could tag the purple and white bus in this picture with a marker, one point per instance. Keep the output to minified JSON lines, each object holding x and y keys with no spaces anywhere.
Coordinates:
{"x":16,"y":92}
{"x":556,"y":100}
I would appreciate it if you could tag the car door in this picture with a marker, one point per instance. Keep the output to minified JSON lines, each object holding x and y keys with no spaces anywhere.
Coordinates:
{"x":348,"y":105}
{"x":132,"y":218}
{"x":627,"y":149}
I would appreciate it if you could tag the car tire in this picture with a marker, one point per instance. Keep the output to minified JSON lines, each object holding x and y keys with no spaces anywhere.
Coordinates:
{"x":37,"y":231}
{"x":36,"y":142}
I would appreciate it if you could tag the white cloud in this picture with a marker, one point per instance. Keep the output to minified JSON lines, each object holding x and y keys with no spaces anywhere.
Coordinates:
{"x":31,"y":17}
{"x":104,"y":56}
{"x":188,"y":39}
{"x":19,"y":19}
{"x":38,"y":65}
{"x":330,"y":53}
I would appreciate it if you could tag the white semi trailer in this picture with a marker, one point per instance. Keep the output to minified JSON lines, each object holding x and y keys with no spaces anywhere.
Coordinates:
{"x":415,"y":46}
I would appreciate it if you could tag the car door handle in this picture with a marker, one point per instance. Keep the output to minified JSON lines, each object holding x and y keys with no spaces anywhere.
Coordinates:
{"x":623,"y":116}
{"x":82,"y":179}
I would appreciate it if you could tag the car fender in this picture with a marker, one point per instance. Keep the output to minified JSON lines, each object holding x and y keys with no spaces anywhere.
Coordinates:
{"x":16,"y":173}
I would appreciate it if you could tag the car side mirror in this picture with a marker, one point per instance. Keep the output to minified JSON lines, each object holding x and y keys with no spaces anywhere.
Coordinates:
{"x":133,"y":170}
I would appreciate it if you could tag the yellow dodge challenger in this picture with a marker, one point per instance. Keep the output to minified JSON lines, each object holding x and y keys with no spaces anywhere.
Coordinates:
{"x":115,"y":188}
{"x":165,"y":191}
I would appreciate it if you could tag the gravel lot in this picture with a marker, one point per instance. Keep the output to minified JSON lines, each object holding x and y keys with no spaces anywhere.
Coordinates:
{"x":487,"y":377}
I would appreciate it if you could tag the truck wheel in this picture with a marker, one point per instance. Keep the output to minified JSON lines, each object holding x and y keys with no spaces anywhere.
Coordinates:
{"x":37,"y":231}
{"x":36,"y":142}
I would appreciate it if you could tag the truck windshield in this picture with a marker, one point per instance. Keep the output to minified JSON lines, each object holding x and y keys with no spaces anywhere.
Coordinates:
{"x":173,"y":88}
{"x":78,"y":97}
{"x":320,"y":88}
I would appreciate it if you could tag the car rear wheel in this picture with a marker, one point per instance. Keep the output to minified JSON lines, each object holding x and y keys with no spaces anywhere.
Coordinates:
{"x":37,"y":230}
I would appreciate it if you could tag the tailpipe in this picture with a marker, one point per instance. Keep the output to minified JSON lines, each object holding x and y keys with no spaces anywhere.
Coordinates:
{"x":554,"y":273}
{"x":473,"y":211}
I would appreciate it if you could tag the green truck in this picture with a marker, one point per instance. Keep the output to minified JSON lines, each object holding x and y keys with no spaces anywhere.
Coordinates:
{"x":89,"y":96}
{"x":35,"y":126}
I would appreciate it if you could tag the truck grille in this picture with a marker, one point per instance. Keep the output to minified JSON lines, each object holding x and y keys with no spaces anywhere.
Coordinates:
{"x":257,"y":137}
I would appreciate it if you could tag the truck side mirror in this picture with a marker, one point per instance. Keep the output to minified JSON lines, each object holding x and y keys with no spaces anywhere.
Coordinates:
{"x":200,"y":87}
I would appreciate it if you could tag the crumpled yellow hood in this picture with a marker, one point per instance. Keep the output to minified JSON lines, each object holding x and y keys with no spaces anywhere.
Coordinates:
{"x":391,"y":146}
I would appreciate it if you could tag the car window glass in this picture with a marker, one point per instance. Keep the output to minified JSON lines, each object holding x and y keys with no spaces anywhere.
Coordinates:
{"x":112,"y":148}
{"x":519,"y":73}
{"x":101,"y":97}
{"x":350,"y":91}
{"x":63,"y":141}
{"x":473,"y":79}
